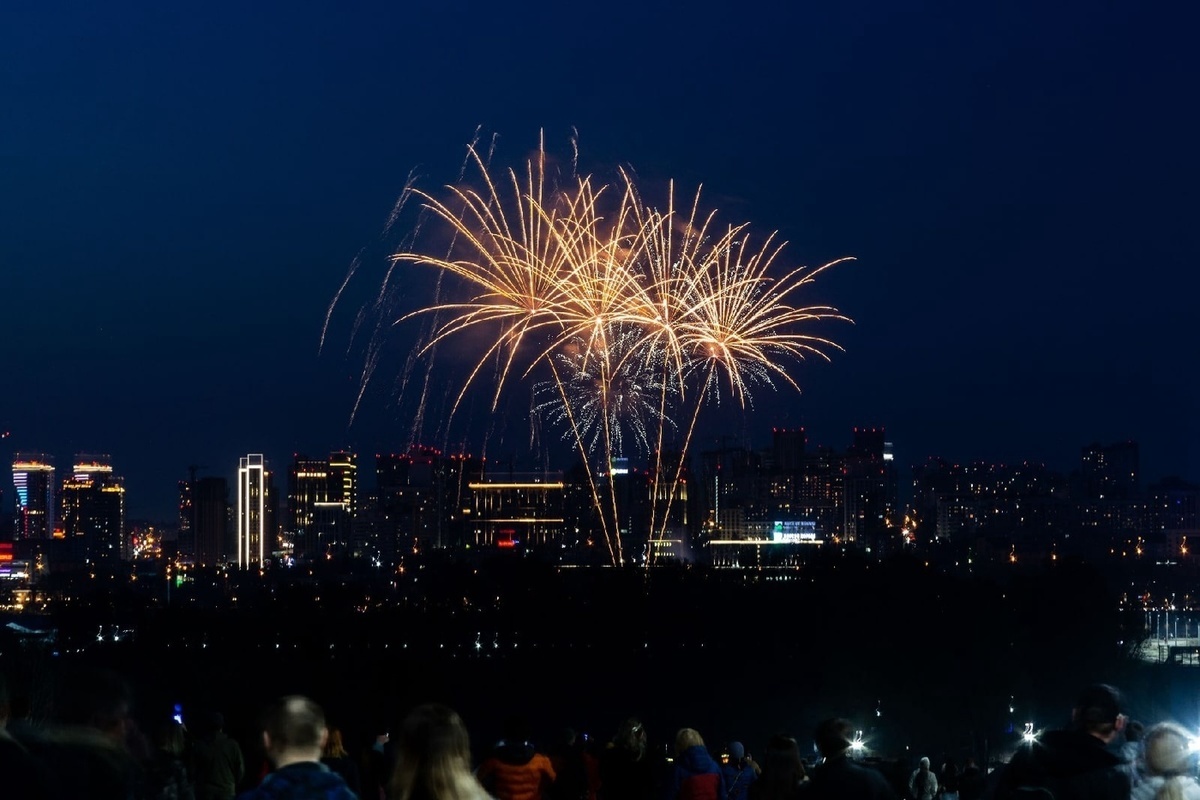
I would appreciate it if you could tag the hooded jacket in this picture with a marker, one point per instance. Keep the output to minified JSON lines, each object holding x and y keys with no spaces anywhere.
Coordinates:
{"x":516,"y":771}
{"x":697,"y":776}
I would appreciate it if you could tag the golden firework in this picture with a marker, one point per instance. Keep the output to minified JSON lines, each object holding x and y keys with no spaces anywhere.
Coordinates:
{"x":605,"y":291}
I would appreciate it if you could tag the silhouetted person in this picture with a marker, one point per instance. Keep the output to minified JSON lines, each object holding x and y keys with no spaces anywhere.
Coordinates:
{"x":378,"y":764}
{"x":22,"y":775}
{"x":697,"y":775}
{"x":166,"y":775}
{"x":782,"y":771}
{"x":923,"y":784}
{"x":1133,"y":752}
{"x":971,"y":782}
{"x":294,"y":734}
{"x":626,"y":768}
{"x":434,"y":759}
{"x":839,"y":777}
{"x":740,"y":773}
{"x":217,"y":766}
{"x":87,"y":755}
{"x":948,"y":777}
{"x":1073,"y":764}
{"x":337,"y":759}
{"x":570,"y":770}
{"x":516,"y":770}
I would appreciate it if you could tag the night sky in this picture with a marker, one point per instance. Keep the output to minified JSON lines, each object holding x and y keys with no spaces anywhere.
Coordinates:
{"x":184,"y":185}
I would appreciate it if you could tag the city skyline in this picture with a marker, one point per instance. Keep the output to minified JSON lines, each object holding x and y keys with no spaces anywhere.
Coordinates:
{"x":1015,"y":183}
{"x":163,"y":509}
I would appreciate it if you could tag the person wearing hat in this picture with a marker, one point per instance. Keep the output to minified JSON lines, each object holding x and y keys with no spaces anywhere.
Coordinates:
{"x":838,"y":776}
{"x":1170,"y":764}
{"x":1076,"y":762}
{"x":740,"y":772}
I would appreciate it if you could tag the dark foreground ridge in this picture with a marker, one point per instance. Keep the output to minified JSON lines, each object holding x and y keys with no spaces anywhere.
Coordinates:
{"x":920,"y":660}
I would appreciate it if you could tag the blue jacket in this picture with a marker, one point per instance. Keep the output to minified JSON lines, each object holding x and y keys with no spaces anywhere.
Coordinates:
{"x":697,"y":776}
{"x":737,"y":780}
{"x":308,"y":780}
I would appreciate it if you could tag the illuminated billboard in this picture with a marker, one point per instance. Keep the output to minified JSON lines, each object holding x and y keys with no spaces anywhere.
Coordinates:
{"x":794,"y":530}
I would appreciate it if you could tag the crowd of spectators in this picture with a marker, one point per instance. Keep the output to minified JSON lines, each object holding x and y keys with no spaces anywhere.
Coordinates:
{"x":95,"y":750}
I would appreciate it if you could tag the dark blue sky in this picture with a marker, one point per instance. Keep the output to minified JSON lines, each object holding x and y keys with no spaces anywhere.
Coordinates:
{"x":183,"y":185}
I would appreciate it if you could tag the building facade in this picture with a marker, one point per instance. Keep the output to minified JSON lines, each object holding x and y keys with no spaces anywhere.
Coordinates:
{"x":93,"y":513}
{"x":254,"y":537}
{"x":33,"y":480}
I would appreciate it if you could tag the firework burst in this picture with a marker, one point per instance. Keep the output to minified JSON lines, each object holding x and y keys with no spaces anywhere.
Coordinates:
{"x":639,"y":315}
{"x":614,"y":390}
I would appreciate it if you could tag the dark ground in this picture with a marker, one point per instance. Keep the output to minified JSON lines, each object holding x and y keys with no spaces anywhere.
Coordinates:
{"x":923,"y":662}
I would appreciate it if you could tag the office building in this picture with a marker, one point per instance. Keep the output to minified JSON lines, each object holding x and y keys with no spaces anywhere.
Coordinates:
{"x":322,"y":505}
{"x":92,"y":505}
{"x":33,"y":480}
{"x":255,"y":540}
{"x":211,"y":506}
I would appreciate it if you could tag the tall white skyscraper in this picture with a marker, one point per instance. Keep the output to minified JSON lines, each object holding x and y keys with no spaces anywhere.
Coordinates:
{"x":253,"y":540}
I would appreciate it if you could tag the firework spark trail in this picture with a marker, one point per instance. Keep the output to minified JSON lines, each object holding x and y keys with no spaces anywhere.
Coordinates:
{"x":611,"y":541}
{"x":641,"y":299}
{"x":678,"y":245}
{"x":739,"y":321}
{"x":397,"y":208}
{"x":462,"y":171}
{"x":371,"y":361}
{"x":409,"y":184}
{"x":338,"y":296}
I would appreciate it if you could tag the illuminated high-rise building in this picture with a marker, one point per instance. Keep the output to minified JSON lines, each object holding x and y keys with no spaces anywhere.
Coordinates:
{"x":187,"y":517}
{"x":343,"y":481}
{"x":254,"y":538}
{"x":424,"y":500}
{"x":338,"y":515}
{"x":93,"y":512}
{"x":308,"y":485}
{"x":869,"y":486}
{"x":519,"y":511}
{"x":33,"y":479}
{"x":322,"y":504}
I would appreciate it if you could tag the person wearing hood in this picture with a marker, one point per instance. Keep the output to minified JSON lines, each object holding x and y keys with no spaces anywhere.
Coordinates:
{"x":516,"y":770}
{"x":740,"y":772}
{"x":697,"y":775}
{"x":294,"y":735}
{"x":1076,"y":762}
{"x":923,"y":784}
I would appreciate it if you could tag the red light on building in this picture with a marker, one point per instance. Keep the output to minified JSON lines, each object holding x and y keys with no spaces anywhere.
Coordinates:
{"x":6,"y":553}
{"x":506,"y":543}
